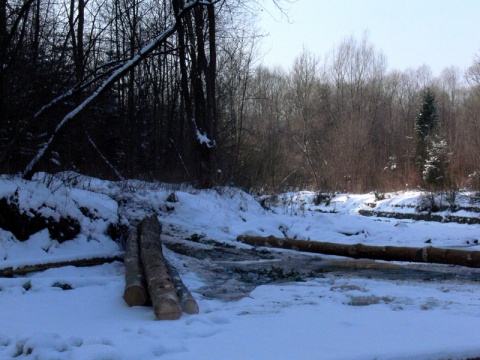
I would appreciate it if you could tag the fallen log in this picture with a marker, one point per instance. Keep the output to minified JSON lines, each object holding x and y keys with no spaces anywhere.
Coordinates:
{"x":25,"y":269}
{"x":166,"y":304}
{"x":427,"y":254}
{"x":187,"y":301}
{"x":135,"y":293}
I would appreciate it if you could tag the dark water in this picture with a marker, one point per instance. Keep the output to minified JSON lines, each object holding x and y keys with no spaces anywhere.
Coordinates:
{"x":232,"y":273}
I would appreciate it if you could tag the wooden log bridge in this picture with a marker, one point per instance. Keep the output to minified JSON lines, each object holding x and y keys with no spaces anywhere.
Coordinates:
{"x":427,"y":254}
{"x":148,"y":274}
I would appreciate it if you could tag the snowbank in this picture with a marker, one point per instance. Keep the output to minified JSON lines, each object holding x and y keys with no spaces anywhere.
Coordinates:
{"x":79,"y":313}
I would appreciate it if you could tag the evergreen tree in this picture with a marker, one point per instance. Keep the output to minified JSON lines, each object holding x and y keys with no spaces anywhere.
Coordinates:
{"x":425,"y":126}
{"x":433,"y":155}
{"x":435,"y":170}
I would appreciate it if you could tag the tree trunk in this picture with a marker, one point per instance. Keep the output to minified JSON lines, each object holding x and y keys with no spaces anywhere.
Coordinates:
{"x":135,"y":293}
{"x":166,"y":304}
{"x":187,"y":103}
{"x":3,"y":60}
{"x":187,"y":301}
{"x":25,"y":269}
{"x":427,"y":254}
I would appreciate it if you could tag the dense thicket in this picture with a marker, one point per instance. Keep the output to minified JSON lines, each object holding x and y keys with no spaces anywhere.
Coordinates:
{"x":200,"y":108}
{"x":157,"y":120}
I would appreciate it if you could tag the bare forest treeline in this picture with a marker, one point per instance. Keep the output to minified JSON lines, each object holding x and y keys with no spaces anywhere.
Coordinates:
{"x":197,"y":105}
{"x":346,"y":123}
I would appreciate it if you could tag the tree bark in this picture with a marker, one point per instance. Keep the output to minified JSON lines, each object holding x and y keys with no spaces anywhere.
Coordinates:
{"x":25,"y":269}
{"x":3,"y":60}
{"x":135,"y":293}
{"x":166,"y":304}
{"x":427,"y":254}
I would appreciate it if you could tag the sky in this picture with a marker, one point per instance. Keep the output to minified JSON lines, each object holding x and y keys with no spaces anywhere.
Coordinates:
{"x":410,"y":33}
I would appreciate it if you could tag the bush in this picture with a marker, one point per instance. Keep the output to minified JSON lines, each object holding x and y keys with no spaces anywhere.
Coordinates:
{"x":474,"y":181}
{"x":323,"y":198}
{"x":435,"y":171}
{"x":427,"y":203}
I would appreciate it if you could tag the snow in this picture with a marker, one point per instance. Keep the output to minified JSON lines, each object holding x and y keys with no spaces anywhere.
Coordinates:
{"x":203,"y":139}
{"x":56,"y":201}
{"x":327,"y":317}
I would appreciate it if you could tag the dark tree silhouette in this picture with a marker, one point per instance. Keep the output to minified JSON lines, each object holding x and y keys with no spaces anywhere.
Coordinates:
{"x":426,"y":124}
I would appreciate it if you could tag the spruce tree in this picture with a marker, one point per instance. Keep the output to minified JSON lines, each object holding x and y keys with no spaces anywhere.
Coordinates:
{"x":433,"y":155}
{"x":425,"y":126}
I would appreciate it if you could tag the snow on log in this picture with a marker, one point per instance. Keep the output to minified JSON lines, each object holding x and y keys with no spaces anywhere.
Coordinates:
{"x":166,"y":304}
{"x":25,"y":269}
{"x":187,"y":301}
{"x":135,"y":293}
{"x":427,"y":254}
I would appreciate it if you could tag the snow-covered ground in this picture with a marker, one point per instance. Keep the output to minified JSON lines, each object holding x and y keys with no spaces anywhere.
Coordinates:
{"x":79,"y":313}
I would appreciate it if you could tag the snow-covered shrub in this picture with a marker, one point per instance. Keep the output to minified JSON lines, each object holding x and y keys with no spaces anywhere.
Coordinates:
{"x":451,"y":198}
{"x":435,"y":171}
{"x":474,"y":181}
{"x":322,"y":197}
{"x":23,"y":223}
{"x":379,"y":195}
{"x":427,"y":203}
{"x":27,"y":207}
{"x":267,"y":202}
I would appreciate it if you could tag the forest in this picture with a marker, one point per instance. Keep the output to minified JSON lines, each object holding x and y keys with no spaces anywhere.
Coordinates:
{"x":151,"y":131}
{"x":175,"y":91}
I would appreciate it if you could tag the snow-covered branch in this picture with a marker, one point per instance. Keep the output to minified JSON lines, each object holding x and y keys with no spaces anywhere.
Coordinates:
{"x":74,"y":90}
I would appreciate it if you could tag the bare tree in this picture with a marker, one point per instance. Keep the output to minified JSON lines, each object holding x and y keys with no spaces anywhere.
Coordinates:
{"x":357,"y":74}
{"x":303,"y":122}
{"x":473,"y":72}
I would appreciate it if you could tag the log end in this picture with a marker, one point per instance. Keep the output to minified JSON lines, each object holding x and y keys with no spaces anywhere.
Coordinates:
{"x":135,"y":295}
{"x":168,"y":309}
{"x":190,"y":306}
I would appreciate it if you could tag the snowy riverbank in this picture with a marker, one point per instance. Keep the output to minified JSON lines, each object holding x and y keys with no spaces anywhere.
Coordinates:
{"x":78,"y":313}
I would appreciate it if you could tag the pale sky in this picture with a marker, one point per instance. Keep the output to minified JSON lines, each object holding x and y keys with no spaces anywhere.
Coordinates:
{"x":410,"y":33}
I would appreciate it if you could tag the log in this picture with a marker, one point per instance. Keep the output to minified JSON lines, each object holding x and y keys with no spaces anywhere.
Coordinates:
{"x":25,"y":269}
{"x":187,"y":301}
{"x":135,"y":293}
{"x":166,"y":304}
{"x":427,"y":254}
